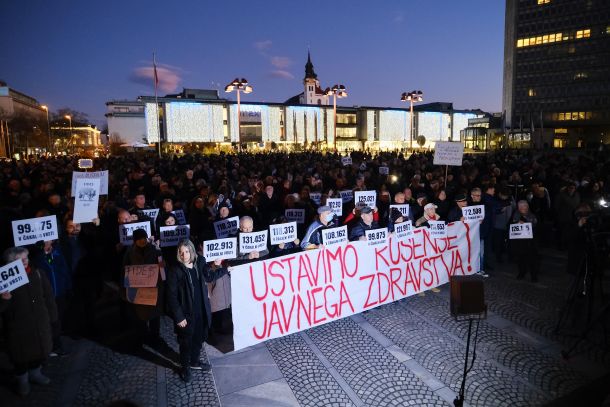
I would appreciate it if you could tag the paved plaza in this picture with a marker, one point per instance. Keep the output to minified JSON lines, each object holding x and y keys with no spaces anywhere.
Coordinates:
{"x":408,"y":353}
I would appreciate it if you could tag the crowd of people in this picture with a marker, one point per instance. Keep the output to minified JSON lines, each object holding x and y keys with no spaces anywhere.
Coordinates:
{"x":551,"y":190}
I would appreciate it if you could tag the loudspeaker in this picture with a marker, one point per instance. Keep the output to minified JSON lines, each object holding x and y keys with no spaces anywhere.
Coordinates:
{"x":467,"y":296}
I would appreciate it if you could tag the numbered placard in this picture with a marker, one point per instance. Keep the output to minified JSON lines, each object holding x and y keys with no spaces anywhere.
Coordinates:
{"x":151,"y":213}
{"x":253,"y":242}
{"x":367,"y":197}
{"x":334,"y":236}
{"x":220,"y":249}
{"x":384,"y":170}
{"x":172,"y":235}
{"x":295,"y":215}
{"x":316,"y":197}
{"x":283,"y":233}
{"x":403,"y":208}
{"x":226,"y":227}
{"x":375,"y":237}
{"x":473,"y":213}
{"x":30,"y":231}
{"x":438,"y":229}
{"x":12,"y":276}
{"x":180,"y":218}
{"x":126,"y":231}
{"x":86,"y":200}
{"x":101,"y":175}
{"x":347,"y":195}
{"x":403,"y":231}
{"x":521,"y":231}
{"x":336,"y":206}
{"x":141,"y":275}
{"x":345,"y":161}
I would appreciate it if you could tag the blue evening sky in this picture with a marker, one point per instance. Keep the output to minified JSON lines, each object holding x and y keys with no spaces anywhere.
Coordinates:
{"x":80,"y":54}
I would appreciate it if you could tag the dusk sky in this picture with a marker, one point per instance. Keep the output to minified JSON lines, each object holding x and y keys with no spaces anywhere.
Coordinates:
{"x":80,"y":54}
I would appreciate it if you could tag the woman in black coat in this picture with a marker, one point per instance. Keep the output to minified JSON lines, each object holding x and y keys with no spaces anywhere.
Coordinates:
{"x":189,"y":304}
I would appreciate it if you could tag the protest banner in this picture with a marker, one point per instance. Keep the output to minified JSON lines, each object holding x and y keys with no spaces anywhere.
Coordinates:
{"x":403,"y":231}
{"x":101,"y":175}
{"x":438,"y":228}
{"x":345,"y":161}
{"x":12,"y":276}
{"x":126,"y":231}
{"x":448,"y":153}
{"x":366,"y":197}
{"x":226,"y":227}
{"x":220,"y":249}
{"x":333,"y":236}
{"x":151,"y":213}
{"x":30,"y":231}
{"x":141,"y":275}
{"x":473,"y":213}
{"x":288,"y":294}
{"x":295,"y":215}
{"x":347,"y":195}
{"x":376,"y":237}
{"x":180,"y":218}
{"x":316,"y":197}
{"x":283,"y":232}
{"x":521,"y":231}
{"x":336,"y":206}
{"x":143,"y":296}
{"x":86,"y":200}
{"x":403,"y":208}
{"x":384,"y":170}
{"x":172,"y":235}
{"x":253,"y":242}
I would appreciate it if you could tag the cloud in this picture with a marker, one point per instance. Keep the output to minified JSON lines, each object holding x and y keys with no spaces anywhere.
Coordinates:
{"x":169,"y":77}
{"x":281,"y":74}
{"x":263,"y":45}
{"x":281,"y":62}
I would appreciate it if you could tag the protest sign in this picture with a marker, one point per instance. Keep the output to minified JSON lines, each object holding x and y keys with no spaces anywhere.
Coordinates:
{"x":220,"y":249}
{"x":366,"y":197}
{"x":253,"y":242}
{"x":86,"y":200}
{"x":101,"y":175}
{"x":141,"y":275}
{"x":347,"y":195}
{"x":180,"y":218}
{"x":333,"y":236}
{"x":521,"y":231}
{"x":126,"y":231}
{"x":143,"y":296}
{"x":438,"y":228}
{"x":295,"y":215}
{"x":376,"y":237}
{"x":403,"y":208}
{"x":345,"y":161}
{"x":151,"y":213}
{"x":384,"y":170}
{"x":448,"y":153}
{"x":172,"y":235}
{"x":316,"y":197}
{"x":473,"y":213}
{"x":30,"y":231}
{"x":283,"y":295}
{"x":283,"y":232}
{"x":12,"y":276}
{"x":336,"y":206}
{"x":226,"y":227}
{"x":403,"y":231}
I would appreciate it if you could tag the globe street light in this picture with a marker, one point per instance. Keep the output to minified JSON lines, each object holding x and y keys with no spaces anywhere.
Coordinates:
{"x":337,"y":91}
{"x":46,"y":109}
{"x":413,"y":96}
{"x":238,"y":85}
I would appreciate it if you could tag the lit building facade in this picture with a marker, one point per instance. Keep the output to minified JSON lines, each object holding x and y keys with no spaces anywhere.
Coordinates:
{"x":556,"y":88}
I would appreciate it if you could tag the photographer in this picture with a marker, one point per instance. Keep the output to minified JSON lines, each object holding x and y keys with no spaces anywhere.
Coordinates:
{"x":577,"y":240}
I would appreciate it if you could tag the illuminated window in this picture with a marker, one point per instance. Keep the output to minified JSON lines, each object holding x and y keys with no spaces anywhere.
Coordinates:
{"x":519,"y":43}
{"x":543,"y":2}
{"x":589,"y":115}
{"x":561,"y":116}
{"x":568,"y":115}
{"x":583,"y":33}
{"x":531,"y":92}
{"x":581,"y":75}
{"x":559,"y":143}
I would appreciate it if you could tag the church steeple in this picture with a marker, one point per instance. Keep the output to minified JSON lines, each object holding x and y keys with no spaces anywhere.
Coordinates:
{"x":309,"y":72}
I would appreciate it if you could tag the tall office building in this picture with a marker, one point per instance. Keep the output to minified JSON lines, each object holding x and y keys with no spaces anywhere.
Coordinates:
{"x":557,"y":72}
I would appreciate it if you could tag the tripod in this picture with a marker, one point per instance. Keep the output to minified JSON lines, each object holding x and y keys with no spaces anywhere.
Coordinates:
{"x":459,"y":400}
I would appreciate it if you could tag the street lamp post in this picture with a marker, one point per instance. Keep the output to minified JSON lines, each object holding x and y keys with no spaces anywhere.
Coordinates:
{"x":337,"y":91}
{"x":413,"y":96}
{"x":238,"y":85}
{"x":70,"y":120}
{"x":46,"y":109}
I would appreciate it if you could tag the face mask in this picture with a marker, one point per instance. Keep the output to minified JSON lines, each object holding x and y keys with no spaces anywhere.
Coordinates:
{"x":329,"y":217}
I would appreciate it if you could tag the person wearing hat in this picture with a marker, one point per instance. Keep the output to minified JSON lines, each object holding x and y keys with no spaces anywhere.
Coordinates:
{"x":429,"y":214}
{"x":455,"y":213}
{"x":417,"y":209}
{"x":366,"y":222}
{"x":396,"y":216}
{"x":313,"y":235}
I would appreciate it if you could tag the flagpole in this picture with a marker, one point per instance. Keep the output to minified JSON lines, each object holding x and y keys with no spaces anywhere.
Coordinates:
{"x":155,"y":80}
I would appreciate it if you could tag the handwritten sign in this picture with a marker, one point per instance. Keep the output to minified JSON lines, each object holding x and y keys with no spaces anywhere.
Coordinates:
{"x":101,"y":175}
{"x":316,"y":197}
{"x":336,"y":206}
{"x":30,"y":231}
{"x":143,"y":296}
{"x":296,"y":215}
{"x":375,"y":237}
{"x":180,"y":218}
{"x":12,"y":276}
{"x":253,"y":242}
{"x":126,"y":231}
{"x":141,"y":275}
{"x":384,"y":170}
{"x":367,"y":197}
{"x":172,"y":235}
{"x":521,"y":231}
{"x":438,"y":229}
{"x":226,"y":227}
{"x":473,"y":213}
{"x":283,"y":233}
{"x":86,"y":200}
{"x":220,"y":249}
{"x":403,"y":208}
{"x":151,"y":213}
{"x":403,"y":231}
{"x":448,"y":153}
{"x":345,"y":161}
{"x":347,"y":195}
{"x":334,"y":236}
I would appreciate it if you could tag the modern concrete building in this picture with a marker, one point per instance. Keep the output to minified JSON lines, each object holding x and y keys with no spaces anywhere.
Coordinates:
{"x":556,"y":73}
